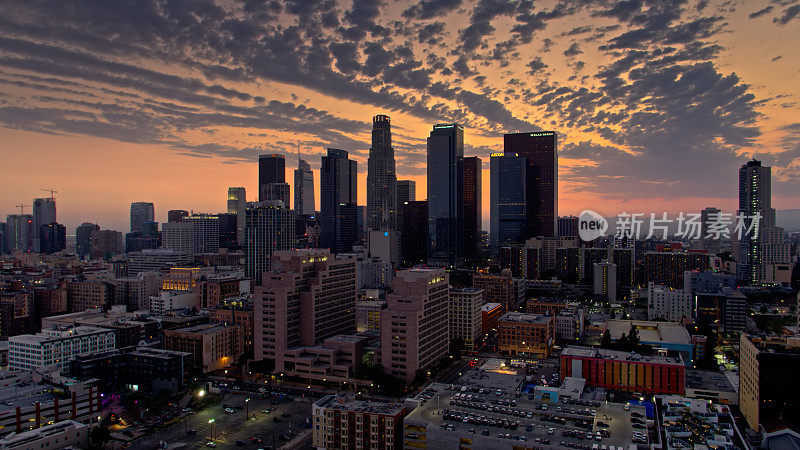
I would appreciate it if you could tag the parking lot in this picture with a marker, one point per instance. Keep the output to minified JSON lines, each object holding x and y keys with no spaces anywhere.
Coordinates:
{"x":264,"y":428}
{"x":502,"y":417}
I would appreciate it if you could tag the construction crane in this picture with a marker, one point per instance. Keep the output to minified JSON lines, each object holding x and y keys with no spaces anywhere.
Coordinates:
{"x":22,"y":208}
{"x":52,"y":192}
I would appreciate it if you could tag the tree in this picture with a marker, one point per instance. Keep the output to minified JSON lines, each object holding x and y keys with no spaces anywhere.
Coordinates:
{"x":605,"y":342}
{"x":622,"y":342}
{"x":633,"y":338}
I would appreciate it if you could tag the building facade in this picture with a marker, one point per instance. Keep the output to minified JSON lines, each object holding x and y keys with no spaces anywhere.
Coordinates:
{"x":381,"y":177}
{"x":446,"y":195}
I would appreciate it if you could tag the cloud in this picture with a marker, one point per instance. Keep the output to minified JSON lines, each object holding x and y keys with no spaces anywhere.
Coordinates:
{"x":429,"y":9}
{"x":788,"y":14}
{"x":573,"y":50}
{"x":761,"y":12}
{"x":536,"y":65}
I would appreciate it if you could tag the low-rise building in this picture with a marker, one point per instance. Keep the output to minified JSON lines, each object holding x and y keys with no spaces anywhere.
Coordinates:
{"x":526,"y":334}
{"x":672,"y":305}
{"x":342,"y":423}
{"x":212,"y":346}
{"x":145,"y":369}
{"x":167,"y":301}
{"x":55,"y":348}
{"x":65,"y":434}
{"x":624,"y":371}
{"x":490,"y":313}
{"x":368,"y":314}
{"x":659,"y":335}
{"x":569,"y":324}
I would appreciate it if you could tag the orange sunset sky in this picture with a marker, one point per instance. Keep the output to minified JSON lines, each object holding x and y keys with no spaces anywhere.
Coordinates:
{"x":656,"y":102}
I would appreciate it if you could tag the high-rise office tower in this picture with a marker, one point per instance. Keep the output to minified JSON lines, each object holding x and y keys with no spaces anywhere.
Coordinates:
{"x":44,"y":213}
{"x":176,"y":215}
{"x":269,"y":226}
{"x":52,"y":238}
{"x":271,"y":169}
{"x":414,"y":325}
{"x":228,"y":231}
{"x":756,"y":257}
{"x":541,"y":149}
{"x":276,"y":191}
{"x":141,"y":212}
{"x":339,"y":211}
{"x":446,"y":195}
{"x":381,"y":177}
{"x":237,"y":203}
{"x":406,"y":191}
{"x":473,"y":166}
{"x":307,"y":296}
{"x":568,"y":226}
{"x":178,"y":236}
{"x":414,"y":242}
{"x":508,"y":184}
{"x":205,"y":232}
{"x":304,"y":189}
{"x":19,"y":233}
{"x":83,"y":236}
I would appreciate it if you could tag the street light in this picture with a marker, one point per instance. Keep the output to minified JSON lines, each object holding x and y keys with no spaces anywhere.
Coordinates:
{"x":247,"y":404}
{"x":201,"y":393}
{"x":211,"y":421}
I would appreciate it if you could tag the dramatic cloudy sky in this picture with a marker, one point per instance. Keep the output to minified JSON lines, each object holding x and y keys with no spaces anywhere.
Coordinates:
{"x":656,"y":102}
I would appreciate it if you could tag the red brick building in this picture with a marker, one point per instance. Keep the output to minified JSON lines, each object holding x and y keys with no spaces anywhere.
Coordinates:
{"x":623,"y":371}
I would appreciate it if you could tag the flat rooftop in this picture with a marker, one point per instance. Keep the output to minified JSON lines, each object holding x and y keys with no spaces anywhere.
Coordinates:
{"x":650,"y":332}
{"x":343,"y":403}
{"x":708,"y":381}
{"x":490,"y":306}
{"x":525,"y":318}
{"x":617,"y":355}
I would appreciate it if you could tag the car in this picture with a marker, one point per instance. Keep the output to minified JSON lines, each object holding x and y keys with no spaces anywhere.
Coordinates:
{"x":211,"y":444}
{"x":551,"y":430}
{"x":229,"y":410}
{"x":627,"y":407}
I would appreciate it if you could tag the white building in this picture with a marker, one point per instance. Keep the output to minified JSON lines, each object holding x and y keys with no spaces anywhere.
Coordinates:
{"x":205,"y":232}
{"x":384,"y":244}
{"x":374,"y":273}
{"x":134,"y":292}
{"x":569,"y":324}
{"x":56,"y":348}
{"x":66,"y":434}
{"x":154,"y":260}
{"x":171,"y":300}
{"x":464,"y":315}
{"x":178,"y":236}
{"x":666,"y":303}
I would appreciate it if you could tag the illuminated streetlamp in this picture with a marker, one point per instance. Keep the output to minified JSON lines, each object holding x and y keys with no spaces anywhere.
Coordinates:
{"x":211,"y":421}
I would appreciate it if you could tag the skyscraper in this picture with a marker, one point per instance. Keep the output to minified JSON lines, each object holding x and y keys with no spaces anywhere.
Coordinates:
{"x":381,"y":178}
{"x":568,"y":226}
{"x":271,"y":169}
{"x":304,"y":189}
{"x":19,"y":233}
{"x":178,"y":236}
{"x":338,"y":215}
{"x":508,"y":184}
{"x":44,"y":213}
{"x":83,"y":236}
{"x":756,"y":255}
{"x":205,"y":232}
{"x":52,"y":238}
{"x":237,"y":203}
{"x":276,"y":192}
{"x":414,"y":234}
{"x":446,"y":195}
{"x":176,"y":215}
{"x":406,"y":192}
{"x":269,"y":226}
{"x":473,"y":167}
{"x":541,"y":149}
{"x":141,"y":212}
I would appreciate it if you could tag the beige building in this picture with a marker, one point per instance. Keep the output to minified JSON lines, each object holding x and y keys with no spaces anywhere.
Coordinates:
{"x":343,"y":423}
{"x":464,"y":314}
{"x":213,"y":346}
{"x":529,"y":334}
{"x":307,"y":297}
{"x":414,"y":327}
{"x":368,"y":314}
{"x":83,"y":295}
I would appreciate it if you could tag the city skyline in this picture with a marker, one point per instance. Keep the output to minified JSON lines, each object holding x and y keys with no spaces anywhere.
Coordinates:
{"x":167,"y":127}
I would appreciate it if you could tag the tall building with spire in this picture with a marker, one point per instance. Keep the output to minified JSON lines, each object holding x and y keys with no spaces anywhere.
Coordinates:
{"x":303,"y":188}
{"x":381,"y":177}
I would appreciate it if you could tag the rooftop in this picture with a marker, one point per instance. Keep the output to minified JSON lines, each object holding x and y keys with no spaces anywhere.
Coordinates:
{"x":708,"y":381}
{"x":617,"y":355}
{"x":525,"y":318}
{"x":650,"y":332}
{"x":490,"y":306}
{"x":343,"y":403}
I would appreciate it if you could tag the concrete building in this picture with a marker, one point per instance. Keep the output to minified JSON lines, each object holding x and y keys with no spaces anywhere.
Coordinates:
{"x":55,"y":348}
{"x":237,"y":203}
{"x":768,"y":393}
{"x":605,"y":280}
{"x":155,"y":260}
{"x":374,"y":273}
{"x":569,"y":324}
{"x":548,"y":246}
{"x":16,"y":313}
{"x":672,"y":305}
{"x":205,"y":232}
{"x":624,"y":371}
{"x":384,"y":244}
{"x":85,"y":294}
{"x":668,"y":267}
{"x":659,"y":335}
{"x":381,"y":177}
{"x":105,"y":243}
{"x":141,"y":212}
{"x":178,"y":236}
{"x":65,"y":434}
{"x":526,"y":334}
{"x":368,"y":315}
{"x":269,"y":227}
{"x":135,"y":292}
{"x":83,"y":238}
{"x":343,"y":423}
{"x":237,"y":314}
{"x":332,"y":362}
{"x":307,"y":297}
{"x":497,"y":288}
{"x":725,"y":310}
{"x":464,"y":314}
{"x":212,"y":346}
{"x":168,"y":301}
{"x":414,"y":328}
